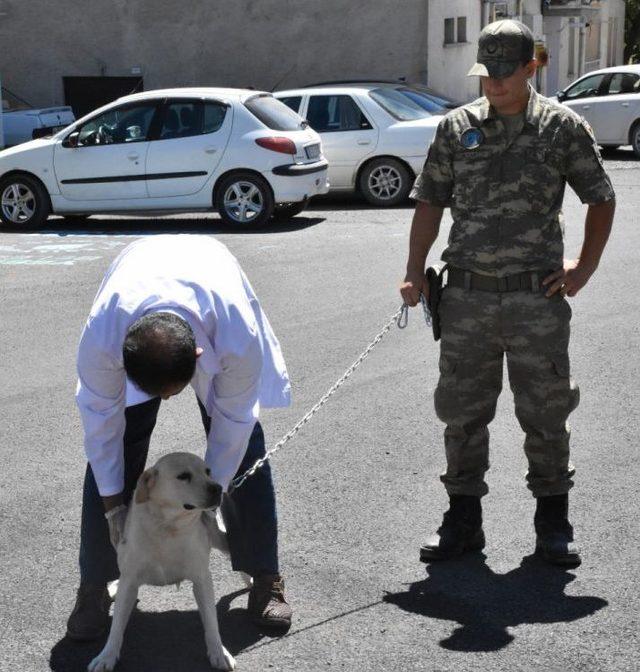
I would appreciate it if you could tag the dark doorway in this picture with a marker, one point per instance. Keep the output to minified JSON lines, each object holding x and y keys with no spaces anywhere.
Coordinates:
{"x":85,"y":94}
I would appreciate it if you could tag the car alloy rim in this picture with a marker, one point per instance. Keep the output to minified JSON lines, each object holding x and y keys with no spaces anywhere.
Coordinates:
{"x":243,"y":202}
{"x":385,"y":182}
{"x":18,"y":203}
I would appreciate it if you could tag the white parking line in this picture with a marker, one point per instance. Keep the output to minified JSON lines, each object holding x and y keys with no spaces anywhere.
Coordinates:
{"x":47,"y":250}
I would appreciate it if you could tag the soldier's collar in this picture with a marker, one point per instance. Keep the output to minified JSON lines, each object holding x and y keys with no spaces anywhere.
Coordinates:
{"x":486,"y":112}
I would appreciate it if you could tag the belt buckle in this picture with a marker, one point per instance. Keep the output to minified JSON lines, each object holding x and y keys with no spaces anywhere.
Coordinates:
{"x":503,"y":284}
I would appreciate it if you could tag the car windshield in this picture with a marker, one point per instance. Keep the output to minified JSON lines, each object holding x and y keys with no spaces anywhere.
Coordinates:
{"x":11,"y":102}
{"x":399,"y":105}
{"x":274,"y":114}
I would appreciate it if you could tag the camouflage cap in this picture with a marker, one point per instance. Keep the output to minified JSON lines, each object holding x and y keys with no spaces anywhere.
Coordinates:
{"x":502,"y":46}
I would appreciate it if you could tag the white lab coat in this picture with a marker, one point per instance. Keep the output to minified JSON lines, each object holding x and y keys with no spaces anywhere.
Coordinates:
{"x":241,"y":367}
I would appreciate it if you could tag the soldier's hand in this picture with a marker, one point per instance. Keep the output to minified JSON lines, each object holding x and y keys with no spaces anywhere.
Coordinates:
{"x":412,"y":286}
{"x":569,"y":280}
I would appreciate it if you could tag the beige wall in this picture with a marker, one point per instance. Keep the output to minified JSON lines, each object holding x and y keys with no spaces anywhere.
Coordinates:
{"x":449,"y":63}
{"x":208,"y":42}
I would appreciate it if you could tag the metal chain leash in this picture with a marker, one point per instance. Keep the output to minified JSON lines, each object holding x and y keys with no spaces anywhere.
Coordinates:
{"x":401,"y":319}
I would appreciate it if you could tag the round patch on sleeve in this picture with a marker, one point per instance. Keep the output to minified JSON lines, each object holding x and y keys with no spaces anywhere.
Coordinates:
{"x":472,"y":138}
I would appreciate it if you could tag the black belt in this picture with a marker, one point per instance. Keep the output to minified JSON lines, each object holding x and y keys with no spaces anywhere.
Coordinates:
{"x":529,"y":281}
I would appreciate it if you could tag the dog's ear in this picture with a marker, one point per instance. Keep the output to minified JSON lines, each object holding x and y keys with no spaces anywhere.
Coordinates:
{"x":145,"y":485}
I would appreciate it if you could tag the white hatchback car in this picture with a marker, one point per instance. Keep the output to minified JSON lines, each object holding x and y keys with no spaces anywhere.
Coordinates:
{"x":375,"y":136}
{"x":609,"y":99}
{"x":241,"y":152}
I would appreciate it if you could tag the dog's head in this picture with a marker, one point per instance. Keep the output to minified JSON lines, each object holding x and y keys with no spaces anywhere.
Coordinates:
{"x":180,"y":481}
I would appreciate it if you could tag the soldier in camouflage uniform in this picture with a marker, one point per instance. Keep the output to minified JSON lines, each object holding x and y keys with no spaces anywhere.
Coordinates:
{"x":501,"y":164}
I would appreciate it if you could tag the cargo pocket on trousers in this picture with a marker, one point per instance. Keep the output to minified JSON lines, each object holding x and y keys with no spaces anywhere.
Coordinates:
{"x":446,"y":392}
{"x":561,"y":365}
{"x":569,"y":393}
{"x":447,"y":365}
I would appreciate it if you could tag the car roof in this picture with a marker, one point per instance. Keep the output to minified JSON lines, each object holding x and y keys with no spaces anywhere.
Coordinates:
{"x":195,"y":92}
{"x":344,"y":89}
{"x":362,"y":86}
{"x":634,"y":68}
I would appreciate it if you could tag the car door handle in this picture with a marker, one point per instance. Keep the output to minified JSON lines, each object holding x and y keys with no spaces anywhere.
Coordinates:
{"x":211,"y":150}
{"x":625,"y":104}
{"x":364,"y":142}
{"x":133,"y":156}
{"x":586,"y":107}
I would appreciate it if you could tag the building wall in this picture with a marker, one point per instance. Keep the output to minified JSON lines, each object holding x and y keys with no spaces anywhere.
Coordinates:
{"x":448,"y":64}
{"x":259,"y":43}
{"x":613,"y":32}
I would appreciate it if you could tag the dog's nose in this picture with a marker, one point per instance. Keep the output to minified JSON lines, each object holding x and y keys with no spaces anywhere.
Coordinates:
{"x":214,"y":491}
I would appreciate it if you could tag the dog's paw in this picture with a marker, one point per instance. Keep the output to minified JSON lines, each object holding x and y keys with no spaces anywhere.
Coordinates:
{"x":222,"y":659}
{"x":105,"y":661}
{"x":246,"y":579}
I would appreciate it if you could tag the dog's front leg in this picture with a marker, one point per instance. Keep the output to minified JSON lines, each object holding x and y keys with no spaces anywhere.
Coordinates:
{"x":126,"y":597}
{"x":219,"y":657}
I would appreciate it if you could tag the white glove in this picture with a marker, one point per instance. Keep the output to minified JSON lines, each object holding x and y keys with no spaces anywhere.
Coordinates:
{"x":116,"y":518}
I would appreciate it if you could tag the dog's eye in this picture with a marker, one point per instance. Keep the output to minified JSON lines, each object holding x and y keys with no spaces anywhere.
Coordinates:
{"x":184,"y":476}
{"x":207,"y":471}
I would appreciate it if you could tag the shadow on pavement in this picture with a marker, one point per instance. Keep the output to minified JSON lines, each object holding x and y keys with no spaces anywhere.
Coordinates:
{"x":163,"y":642}
{"x":619,"y":154}
{"x":139,"y":226}
{"x":485,"y":604}
{"x":350,"y":201}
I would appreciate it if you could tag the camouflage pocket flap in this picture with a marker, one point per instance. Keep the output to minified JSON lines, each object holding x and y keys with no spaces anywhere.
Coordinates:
{"x":561,"y":364}
{"x":446,"y":365}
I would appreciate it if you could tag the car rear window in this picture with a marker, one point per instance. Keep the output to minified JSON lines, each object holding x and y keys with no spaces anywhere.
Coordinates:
{"x":273,"y":114}
{"x":429,"y":103}
{"x":398,"y":104}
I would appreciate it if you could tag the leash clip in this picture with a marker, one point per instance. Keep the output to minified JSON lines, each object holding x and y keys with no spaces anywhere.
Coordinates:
{"x":403,"y":317}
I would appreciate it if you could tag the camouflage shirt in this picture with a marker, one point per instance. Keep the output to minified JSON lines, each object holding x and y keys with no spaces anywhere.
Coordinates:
{"x":506,"y":197}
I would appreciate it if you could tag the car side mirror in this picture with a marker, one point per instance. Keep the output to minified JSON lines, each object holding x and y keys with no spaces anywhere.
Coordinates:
{"x":560,"y":95}
{"x":72,"y":141}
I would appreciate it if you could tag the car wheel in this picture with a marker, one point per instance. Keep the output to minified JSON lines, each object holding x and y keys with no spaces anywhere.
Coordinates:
{"x":635,"y":139}
{"x":24,"y":203}
{"x":385,"y":182}
{"x":244,"y":199}
{"x":286,"y":211}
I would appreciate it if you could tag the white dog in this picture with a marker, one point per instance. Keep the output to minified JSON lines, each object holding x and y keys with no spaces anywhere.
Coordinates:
{"x":169,"y":531}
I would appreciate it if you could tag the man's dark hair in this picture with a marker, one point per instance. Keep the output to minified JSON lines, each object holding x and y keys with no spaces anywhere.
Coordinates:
{"x":159,"y":351}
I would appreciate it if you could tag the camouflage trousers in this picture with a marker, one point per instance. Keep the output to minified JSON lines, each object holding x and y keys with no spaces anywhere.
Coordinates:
{"x":478,"y":330}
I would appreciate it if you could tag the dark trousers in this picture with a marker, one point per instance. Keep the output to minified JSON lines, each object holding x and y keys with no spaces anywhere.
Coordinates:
{"x":249,"y":512}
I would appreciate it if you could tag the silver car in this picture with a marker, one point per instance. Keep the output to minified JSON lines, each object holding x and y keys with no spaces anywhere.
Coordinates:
{"x":374,"y":135}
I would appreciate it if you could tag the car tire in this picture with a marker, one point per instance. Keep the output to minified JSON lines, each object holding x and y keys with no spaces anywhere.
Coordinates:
{"x":244,"y":200}
{"x":385,"y":182}
{"x":283,"y":212}
{"x":635,"y":139}
{"x":24,"y":203}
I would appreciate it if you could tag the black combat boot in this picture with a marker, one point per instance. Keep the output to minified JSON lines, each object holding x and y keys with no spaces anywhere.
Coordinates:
{"x":554,"y":534}
{"x":89,"y":619}
{"x":461,"y":530}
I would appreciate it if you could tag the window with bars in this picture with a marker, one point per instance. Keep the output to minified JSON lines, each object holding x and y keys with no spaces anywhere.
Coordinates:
{"x":455,"y":30}
{"x":449,"y":31}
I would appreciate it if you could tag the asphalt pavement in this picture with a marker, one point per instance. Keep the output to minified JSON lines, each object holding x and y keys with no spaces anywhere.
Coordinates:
{"x":358,"y":487}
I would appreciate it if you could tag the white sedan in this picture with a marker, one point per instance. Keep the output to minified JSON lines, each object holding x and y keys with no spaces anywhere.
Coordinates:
{"x":375,"y":136}
{"x":241,"y":152}
{"x":609,"y":99}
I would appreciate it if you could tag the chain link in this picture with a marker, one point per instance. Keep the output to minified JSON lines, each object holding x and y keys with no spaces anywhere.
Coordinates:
{"x":401,"y":319}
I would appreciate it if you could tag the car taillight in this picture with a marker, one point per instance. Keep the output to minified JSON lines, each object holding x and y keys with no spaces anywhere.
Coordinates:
{"x":282,"y":145}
